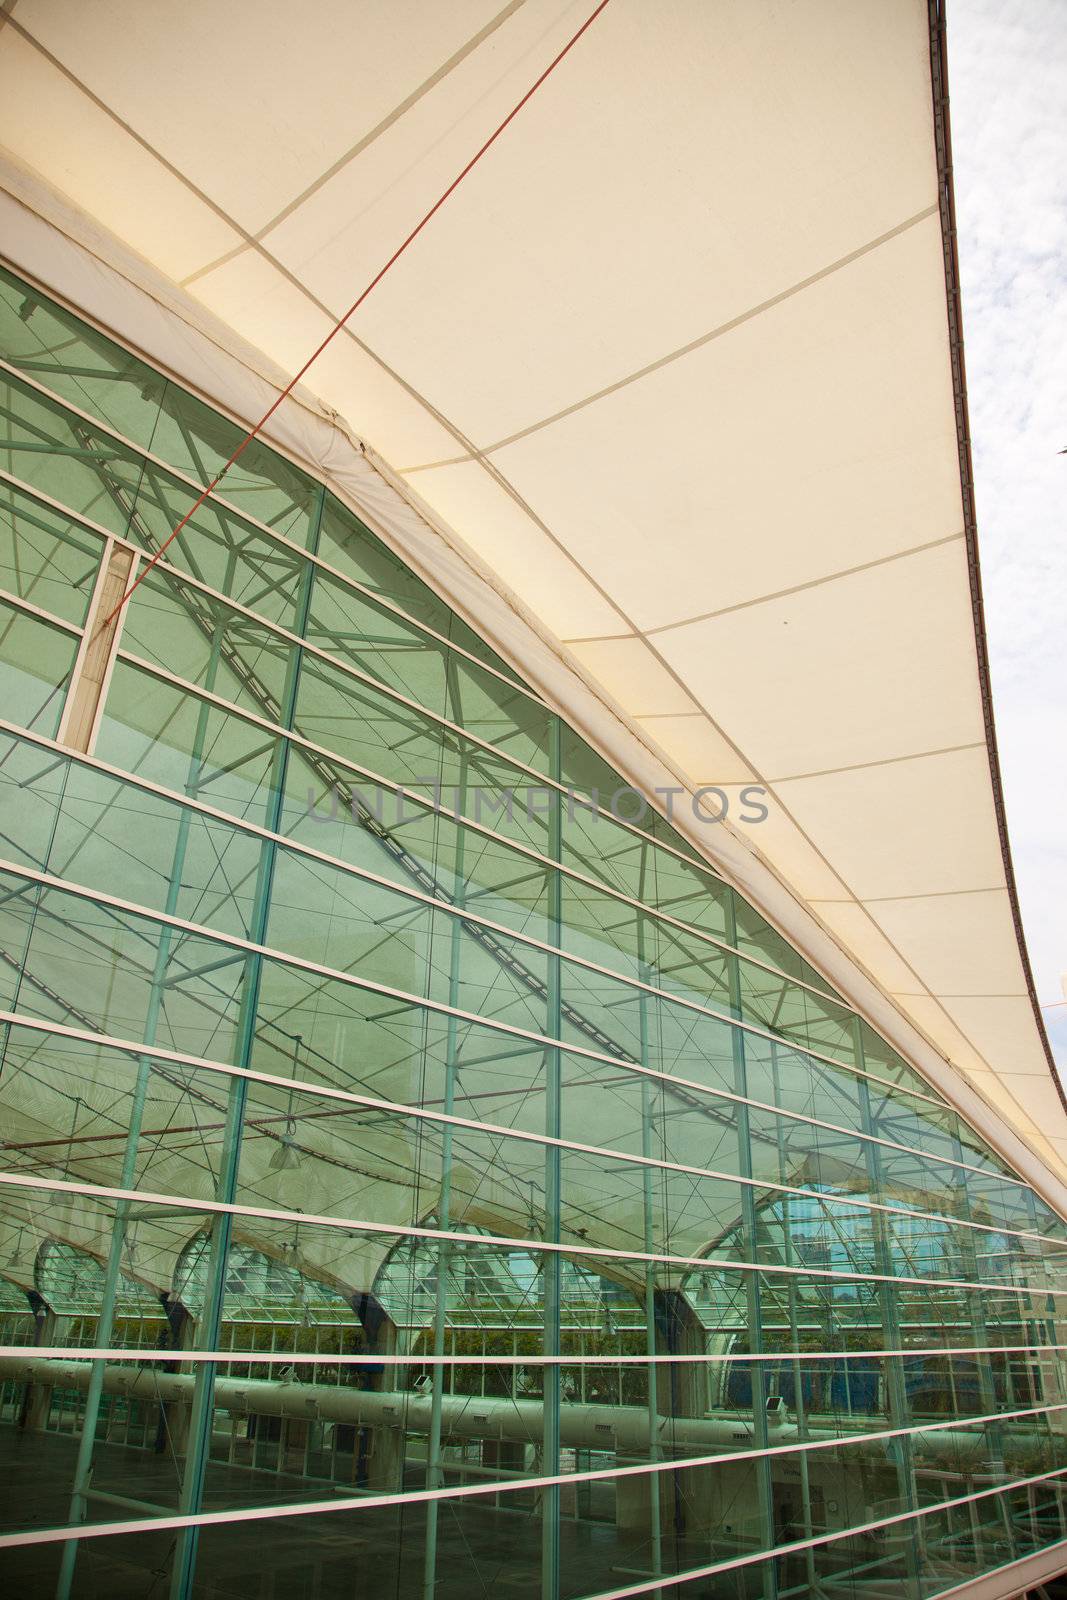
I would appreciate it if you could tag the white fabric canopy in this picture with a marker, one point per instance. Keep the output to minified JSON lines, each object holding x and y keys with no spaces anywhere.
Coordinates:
{"x":672,"y":371}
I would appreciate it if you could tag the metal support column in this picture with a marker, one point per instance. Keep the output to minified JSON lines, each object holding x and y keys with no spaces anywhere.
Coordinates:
{"x":803,"y":1431}
{"x":209,"y":1326}
{"x":105,"y":1327}
{"x":434,"y":1472}
{"x":988,"y":1401}
{"x":749,"y":1233}
{"x":655,"y":1451}
{"x":899,"y":1411}
{"x":550,"y":1496}
{"x":1054,"y":1330}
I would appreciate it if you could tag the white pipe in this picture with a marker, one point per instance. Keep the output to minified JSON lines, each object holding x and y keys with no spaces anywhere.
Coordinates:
{"x":623,"y":1430}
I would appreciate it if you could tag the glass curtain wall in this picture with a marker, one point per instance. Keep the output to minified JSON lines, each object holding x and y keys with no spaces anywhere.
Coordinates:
{"x":421,"y":1178}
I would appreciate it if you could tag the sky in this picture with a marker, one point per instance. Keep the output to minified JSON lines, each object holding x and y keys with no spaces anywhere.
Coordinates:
{"x":1008,"y":104}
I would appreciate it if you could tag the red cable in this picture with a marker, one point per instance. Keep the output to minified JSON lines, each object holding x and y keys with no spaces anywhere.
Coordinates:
{"x":353,"y":308}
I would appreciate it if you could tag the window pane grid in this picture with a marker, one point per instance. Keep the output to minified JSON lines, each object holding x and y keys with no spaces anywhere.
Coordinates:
{"x":488,"y":1165}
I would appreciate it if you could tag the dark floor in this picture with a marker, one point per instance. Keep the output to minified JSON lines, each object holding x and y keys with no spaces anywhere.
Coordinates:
{"x":364,"y":1554}
{"x":377,"y":1553}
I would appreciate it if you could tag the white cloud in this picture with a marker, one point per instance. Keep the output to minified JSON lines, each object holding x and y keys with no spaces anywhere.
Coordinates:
{"x":1007,"y":72}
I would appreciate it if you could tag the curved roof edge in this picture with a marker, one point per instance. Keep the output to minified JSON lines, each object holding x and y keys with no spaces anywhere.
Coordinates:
{"x":949,"y":236}
{"x":73,"y":258}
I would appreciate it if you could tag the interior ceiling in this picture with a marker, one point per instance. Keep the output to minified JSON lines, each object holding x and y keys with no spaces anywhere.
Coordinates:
{"x":673,"y":361}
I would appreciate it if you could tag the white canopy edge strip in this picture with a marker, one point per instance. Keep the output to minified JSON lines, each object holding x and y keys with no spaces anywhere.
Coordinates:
{"x":69,"y":255}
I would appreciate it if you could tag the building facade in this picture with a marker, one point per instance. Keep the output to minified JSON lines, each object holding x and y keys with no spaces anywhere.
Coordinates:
{"x":423,"y":1174}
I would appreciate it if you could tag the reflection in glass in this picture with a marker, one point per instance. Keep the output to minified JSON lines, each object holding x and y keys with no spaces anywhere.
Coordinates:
{"x":450,"y":1186}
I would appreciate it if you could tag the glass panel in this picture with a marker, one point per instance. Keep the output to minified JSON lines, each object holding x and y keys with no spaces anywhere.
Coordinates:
{"x":36,"y":660}
{"x":197,"y":867}
{"x":191,"y":436}
{"x":45,"y":557}
{"x":155,"y":729}
{"x":317,"y":1552}
{"x":188,"y":633}
{"x":77,"y":463}
{"x":347,"y":544}
{"x":90,"y":371}
{"x":374,"y":639}
{"x":748,"y":1308}
{"x":398,"y":1164}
